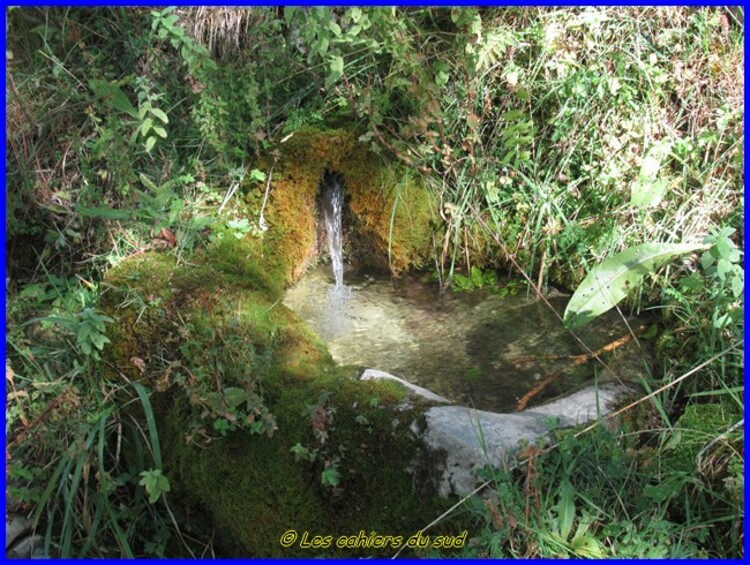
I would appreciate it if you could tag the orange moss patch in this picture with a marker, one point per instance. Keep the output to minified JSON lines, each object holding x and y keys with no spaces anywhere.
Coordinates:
{"x":399,"y":239}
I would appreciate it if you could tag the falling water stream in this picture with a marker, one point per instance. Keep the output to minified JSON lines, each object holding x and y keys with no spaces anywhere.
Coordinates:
{"x":472,"y":348}
{"x":333,"y":207}
{"x":333,"y":211}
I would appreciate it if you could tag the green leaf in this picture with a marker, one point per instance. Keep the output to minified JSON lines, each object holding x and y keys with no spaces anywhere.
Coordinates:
{"x":146,"y":126}
{"x":160,"y":131}
{"x":150,"y":144}
{"x":160,"y":114}
{"x":476,"y":277}
{"x":461,"y":282}
{"x":738,"y":285}
{"x":335,"y":28}
{"x":646,"y":194}
{"x":566,"y":509}
{"x":155,"y":484}
{"x":234,"y":396}
{"x":121,"y":103}
{"x":258,"y":175}
{"x":647,"y":191}
{"x":512,"y":115}
{"x":587,"y":546}
{"x":148,"y":183}
{"x":321,"y":46}
{"x":330,"y":477}
{"x":610,"y":282}
{"x":301,"y":453}
{"x":114,"y":95}
{"x":337,"y":69}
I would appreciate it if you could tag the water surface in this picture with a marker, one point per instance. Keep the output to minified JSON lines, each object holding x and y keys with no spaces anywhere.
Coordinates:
{"x":467,"y":347}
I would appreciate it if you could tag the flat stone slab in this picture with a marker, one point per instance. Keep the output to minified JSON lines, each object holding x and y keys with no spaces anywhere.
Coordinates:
{"x":473,"y":439}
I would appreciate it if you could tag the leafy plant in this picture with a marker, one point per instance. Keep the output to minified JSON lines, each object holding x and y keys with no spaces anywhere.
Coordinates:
{"x":331,"y":476}
{"x":155,"y":484}
{"x":608,"y":283}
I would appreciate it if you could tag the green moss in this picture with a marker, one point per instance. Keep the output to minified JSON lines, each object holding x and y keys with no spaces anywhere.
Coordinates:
{"x":200,"y":329}
{"x":391,"y":212}
{"x":698,"y":425}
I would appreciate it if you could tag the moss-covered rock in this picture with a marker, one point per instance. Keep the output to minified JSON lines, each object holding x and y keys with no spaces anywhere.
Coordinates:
{"x":390,"y":213}
{"x":260,"y":430}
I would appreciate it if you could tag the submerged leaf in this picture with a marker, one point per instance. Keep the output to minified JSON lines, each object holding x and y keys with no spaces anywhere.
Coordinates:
{"x":611,"y":281}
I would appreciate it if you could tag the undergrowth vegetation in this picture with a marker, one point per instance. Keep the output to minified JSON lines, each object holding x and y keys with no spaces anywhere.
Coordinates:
{"x":551,"y":139}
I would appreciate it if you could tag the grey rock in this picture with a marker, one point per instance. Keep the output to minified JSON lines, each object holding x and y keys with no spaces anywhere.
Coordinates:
{"x":472,"y":439}
{"x":31,"y":546}
{"x":15,"y":526}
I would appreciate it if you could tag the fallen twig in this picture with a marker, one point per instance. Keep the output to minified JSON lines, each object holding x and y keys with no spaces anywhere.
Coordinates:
{"x":576,"y":360}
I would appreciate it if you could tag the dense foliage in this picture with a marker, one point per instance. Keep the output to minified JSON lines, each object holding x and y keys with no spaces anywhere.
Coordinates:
{"x":551,"y":138}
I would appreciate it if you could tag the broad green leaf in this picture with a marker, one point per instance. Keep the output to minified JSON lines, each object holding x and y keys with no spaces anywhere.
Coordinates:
{"x":234,"y":396}
{"x":646,"y":194}
{"x":587,"y":546}
{"x":121,"y":103}
{"x":114,"y":95}
{"x":335,"y":28}
{"x":321,"y":47}
{"x":566,"y":509}
{"x":146,"y":126}
{"x":648,"y":190}
{"x":150,"y":142}
{"x":160,"y":131}
{"x":476,"y":277}
{"x":337,"y":65}
{"x":83,"y":333}
{"x":738,"y":285}
{"x":160,"y":114}
{"x":610,"y":282}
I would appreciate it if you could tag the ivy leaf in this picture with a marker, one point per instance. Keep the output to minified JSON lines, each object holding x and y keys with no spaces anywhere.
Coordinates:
{"x":610,"y":282}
